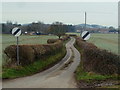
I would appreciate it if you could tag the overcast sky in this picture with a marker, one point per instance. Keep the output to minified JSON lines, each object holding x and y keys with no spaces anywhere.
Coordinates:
{"x":102,"y":13}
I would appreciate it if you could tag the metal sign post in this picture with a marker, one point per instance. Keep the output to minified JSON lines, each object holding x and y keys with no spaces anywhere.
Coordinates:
{"x":17,"y":32}
{"x":17,"y":51}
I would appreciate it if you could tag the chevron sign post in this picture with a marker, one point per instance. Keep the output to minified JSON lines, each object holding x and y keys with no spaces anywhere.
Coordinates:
{"x":17,"y":32}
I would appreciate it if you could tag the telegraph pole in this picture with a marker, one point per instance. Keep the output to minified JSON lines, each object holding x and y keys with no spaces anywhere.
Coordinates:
{"x":84,"y":27}
{"x":85,"y":21}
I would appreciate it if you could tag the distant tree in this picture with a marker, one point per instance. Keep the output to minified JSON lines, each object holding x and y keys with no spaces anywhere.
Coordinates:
{"x":8,"y":26}
{"x":9,"y":22}
{"x":37,"y":27}
{"x":58,"y":28}
{"x":70,"y":28}
{"x":112,"y":29}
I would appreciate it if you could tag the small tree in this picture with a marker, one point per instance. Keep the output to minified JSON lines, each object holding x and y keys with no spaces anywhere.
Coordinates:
{"x":58,"y":29}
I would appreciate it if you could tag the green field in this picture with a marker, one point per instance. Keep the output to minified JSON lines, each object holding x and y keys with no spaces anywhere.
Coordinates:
{"x":25,"y":39}
{"x":104,"y":41}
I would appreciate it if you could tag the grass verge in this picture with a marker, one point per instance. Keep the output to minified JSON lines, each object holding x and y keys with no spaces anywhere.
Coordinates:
{"x":37,"y":66}
{"x":91,"y":76}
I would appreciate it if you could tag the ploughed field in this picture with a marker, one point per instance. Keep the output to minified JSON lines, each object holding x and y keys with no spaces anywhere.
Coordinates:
{"x":104,"y":41}
{"x":23,"y":39}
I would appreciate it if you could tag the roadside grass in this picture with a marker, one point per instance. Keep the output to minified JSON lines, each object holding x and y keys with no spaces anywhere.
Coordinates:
{"x":82,"y":75}
{"x":112,"y":87}
{"x":91,"y":76}
{"x":37,"y":66}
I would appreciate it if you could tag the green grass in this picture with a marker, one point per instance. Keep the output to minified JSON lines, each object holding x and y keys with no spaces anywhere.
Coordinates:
{"x":91,"y":76}
{"x":112,"y":87}
{"x":25,"y":39}
{"x":104,"y":41}
{"x":35,"y":67}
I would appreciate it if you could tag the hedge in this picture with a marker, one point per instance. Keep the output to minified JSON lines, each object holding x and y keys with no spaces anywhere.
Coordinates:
{"x":98,"y":60}
{"x":29,"y":53}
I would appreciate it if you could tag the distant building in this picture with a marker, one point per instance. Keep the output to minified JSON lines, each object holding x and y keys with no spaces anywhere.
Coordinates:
{"x":32,"y":33}
{"x":78,"y":31}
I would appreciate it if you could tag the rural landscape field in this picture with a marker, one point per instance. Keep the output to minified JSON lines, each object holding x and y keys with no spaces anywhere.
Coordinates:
{"x":104,"y":41}
{"x":25,"y":39}
{"x":59,"y":45}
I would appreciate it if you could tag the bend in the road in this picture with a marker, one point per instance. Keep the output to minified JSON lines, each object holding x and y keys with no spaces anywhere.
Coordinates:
{"x":53,"y":77}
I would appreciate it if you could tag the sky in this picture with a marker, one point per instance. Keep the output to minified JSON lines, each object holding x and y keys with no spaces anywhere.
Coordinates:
{"x":102,"y":13}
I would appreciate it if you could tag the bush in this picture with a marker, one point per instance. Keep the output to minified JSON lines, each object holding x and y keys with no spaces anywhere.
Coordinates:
{"x":26,"y":54}
{"x":30,"y":53}
{"x":35,"y":67}
{"x":39,"y":50}
{"x":98,"y":60}
{"x":64,"y":38}
{"x":73,"y":35}
{"x":49,"y":41}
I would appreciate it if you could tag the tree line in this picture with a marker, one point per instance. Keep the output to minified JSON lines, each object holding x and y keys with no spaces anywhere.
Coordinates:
{"x":57,"y":28}
{"x":34,"y":26}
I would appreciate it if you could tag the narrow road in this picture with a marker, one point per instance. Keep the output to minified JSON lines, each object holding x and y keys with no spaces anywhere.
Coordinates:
{"x":59,"y":76}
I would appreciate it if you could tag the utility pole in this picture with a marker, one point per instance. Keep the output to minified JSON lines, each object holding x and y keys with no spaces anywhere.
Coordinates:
{"x":84,"y":27}
{"x":85,"y":21}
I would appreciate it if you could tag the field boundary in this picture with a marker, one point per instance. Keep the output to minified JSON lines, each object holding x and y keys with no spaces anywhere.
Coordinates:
{"x":91,"y":79}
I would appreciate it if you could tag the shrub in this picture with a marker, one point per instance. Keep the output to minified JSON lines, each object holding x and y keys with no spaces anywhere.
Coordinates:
{"x":30,"y":53}
{"x":11,"y":51}
{"x":49,"y":41}
{"x":98,"y":60}
{"x":39,"y":50}
{"x":73,"y":35}
{"x":26,"y":54}
{"x":64,"y":38}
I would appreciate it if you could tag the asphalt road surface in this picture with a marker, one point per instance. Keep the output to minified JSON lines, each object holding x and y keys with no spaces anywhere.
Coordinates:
{"x":59,"y":76}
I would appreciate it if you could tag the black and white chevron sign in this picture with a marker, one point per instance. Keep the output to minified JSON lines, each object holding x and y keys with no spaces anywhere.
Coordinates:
{"x":85,"y":35}
{"x":16,"y":31}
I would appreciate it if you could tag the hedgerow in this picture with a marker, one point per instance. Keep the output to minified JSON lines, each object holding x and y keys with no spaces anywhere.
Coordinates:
{"x":30,"y":53}
{"x":98,"y":60}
